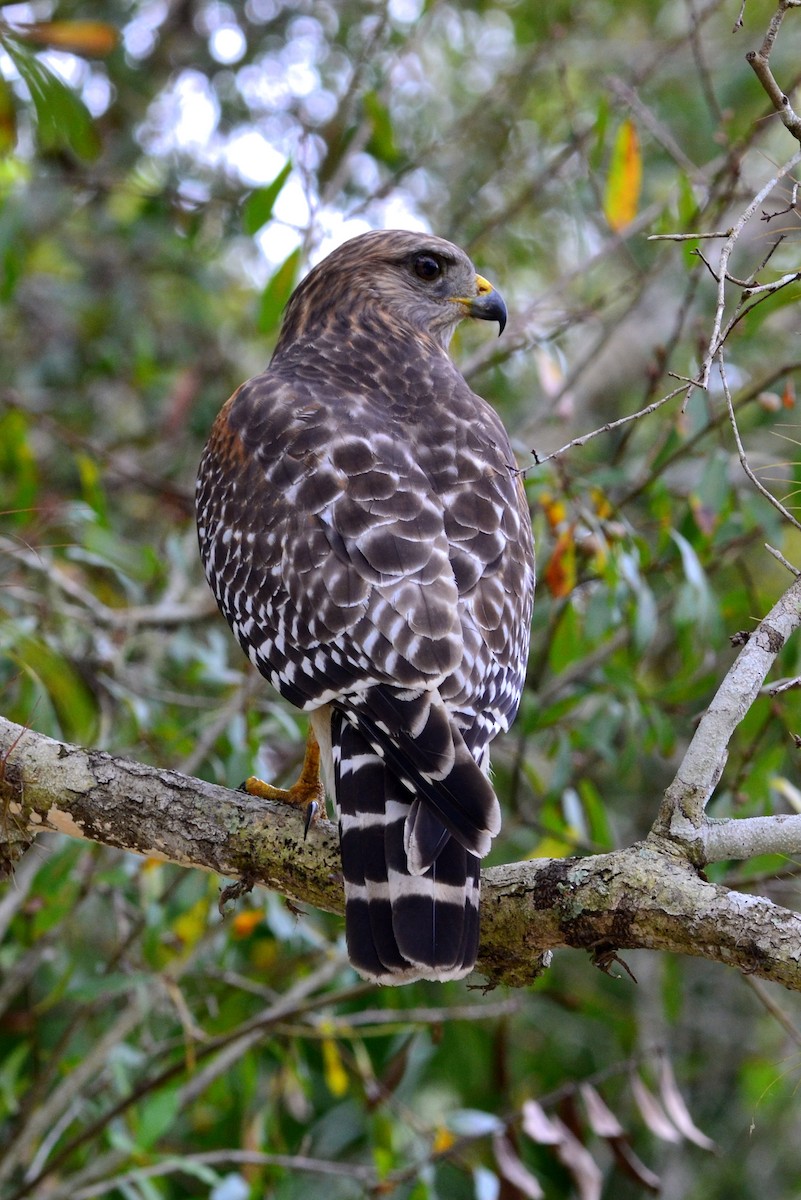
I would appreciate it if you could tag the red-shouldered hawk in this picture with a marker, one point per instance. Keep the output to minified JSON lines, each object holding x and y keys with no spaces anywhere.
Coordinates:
{"x":365,"y":531}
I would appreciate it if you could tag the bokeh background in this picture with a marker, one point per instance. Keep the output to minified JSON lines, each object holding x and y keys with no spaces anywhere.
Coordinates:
{"x":169,"y":170}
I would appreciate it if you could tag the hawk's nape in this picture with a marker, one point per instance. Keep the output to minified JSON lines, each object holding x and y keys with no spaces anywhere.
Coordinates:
{"x":364,"y":529}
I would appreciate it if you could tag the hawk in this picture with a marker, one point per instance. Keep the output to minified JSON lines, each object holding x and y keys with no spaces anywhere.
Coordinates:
{"x":364,"y":529}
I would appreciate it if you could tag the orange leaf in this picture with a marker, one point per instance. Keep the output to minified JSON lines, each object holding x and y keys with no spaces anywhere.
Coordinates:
{"x":244,"y":923}
{"x":788,"y":395}
{"x":94,"y":38}
{"x":622,"y":195}
{"x":560,"y":573}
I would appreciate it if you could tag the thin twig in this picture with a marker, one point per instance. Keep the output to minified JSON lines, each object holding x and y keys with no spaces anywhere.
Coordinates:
{"x":607,"y":428}
{"x":742,"y":454}
{"x":686,"y":237}
{"x":777,"y":554}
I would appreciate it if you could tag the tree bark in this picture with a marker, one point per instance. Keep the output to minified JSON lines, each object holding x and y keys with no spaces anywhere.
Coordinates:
{"x":649,"y":896}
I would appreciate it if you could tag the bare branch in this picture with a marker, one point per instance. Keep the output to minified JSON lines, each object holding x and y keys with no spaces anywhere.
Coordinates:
{"x":760,"y":487}
{"x":607,"y":428}
{"x":758,"y":60}
{"x":716,"y":339}
{"x":687,"y":237}
{"x":682,"y":812}
{"x":746,"y":837}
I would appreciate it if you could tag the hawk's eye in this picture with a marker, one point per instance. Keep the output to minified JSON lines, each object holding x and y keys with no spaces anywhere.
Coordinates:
{"x":427,"y":267}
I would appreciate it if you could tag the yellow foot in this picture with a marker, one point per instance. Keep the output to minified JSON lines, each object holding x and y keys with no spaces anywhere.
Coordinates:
{"x":307,"y":793}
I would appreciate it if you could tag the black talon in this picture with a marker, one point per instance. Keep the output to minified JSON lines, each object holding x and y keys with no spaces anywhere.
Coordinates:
{"x":311,"y":813}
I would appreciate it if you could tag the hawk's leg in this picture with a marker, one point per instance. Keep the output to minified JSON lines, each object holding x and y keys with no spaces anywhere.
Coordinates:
{"x":306,"y":793}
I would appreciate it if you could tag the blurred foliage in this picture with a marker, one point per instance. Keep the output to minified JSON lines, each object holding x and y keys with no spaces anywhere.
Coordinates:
{"x":167,"y":171}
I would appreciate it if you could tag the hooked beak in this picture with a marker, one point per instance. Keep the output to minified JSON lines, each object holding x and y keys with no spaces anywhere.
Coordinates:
{"x":487,"y":304}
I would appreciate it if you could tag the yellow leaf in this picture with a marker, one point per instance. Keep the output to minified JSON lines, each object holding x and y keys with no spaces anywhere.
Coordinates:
{"x":554,"y":509}
{"x":600,"y":503}
{"x":94,"y":38}
{"x":190,"y":926}
{"x":336,"y":1077}
{"x":551,"y":847}
{"x":443,"y":1140}
{"x":622,"y":195}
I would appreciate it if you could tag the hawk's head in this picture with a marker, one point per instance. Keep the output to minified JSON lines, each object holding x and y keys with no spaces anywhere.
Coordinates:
{"x":410,"y":281}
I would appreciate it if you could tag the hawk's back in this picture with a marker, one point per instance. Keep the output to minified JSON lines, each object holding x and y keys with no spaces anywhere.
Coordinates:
{"x":363,"y":527}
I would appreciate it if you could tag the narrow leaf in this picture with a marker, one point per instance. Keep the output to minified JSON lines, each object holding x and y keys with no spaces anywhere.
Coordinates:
{"x":586,"y":1173}
{"x":622,"y":194}
{"x":260,"y":203}
{"x":560,"y":572}
{"x":652,"y":1112}
{"x":513,"y":1170}
{"x":91,"y":38}
{"x":336,"y":1077}
{"x":602,"y":1120}
{"x":277,"y":292}
{"x":62,"y":119}
{"x":8,"y":119}
{"x":677,"y":1110}
{"x":633,"y":1166}
{"x":604,"y":1124}
{"x":538,"y":1125}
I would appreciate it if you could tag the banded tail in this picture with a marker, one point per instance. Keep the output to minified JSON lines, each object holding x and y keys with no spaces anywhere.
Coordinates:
{"x":412,"y":829}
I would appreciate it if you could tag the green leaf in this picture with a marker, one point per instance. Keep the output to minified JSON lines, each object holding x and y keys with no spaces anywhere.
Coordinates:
{"x":156,"y":1116}
{"x":10,"y":1082}
{"x":63,"y":120}
{"x":277,"y":292}
{"x":382,"y":142}
{"x":259,"y":204}
{"x":73,"y":702}
{"x":92,"y":486}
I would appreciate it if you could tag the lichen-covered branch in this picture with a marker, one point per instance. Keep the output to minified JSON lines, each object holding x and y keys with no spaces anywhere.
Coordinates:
{"x":647,"y":896}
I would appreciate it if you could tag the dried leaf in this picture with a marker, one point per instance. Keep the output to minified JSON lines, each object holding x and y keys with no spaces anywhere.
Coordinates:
{"x":538,"y":1125}
{"x":652,"y":1112}
{"x":91,"y":38}
{"x":622,"y":195}
{"x":605,"y":1124}
{"x":513,"y":1170}
{"x":633,"y":1166}
{"x":587,"y":1175}
{"x":8,"y":119}
{"x":676,"y":1108}
{"x":602,"y":1120}
{"x":560,"y":573}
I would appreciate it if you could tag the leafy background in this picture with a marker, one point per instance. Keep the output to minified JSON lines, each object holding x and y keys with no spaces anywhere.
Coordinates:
{"x":168,"y":170}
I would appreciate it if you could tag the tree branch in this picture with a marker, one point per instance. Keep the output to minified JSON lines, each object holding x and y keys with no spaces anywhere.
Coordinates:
{"x":645,"y":897}
{"x":681,"y":815}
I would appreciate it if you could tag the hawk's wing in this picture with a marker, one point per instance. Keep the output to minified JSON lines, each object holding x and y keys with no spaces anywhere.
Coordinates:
{"x":378,"y":563}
